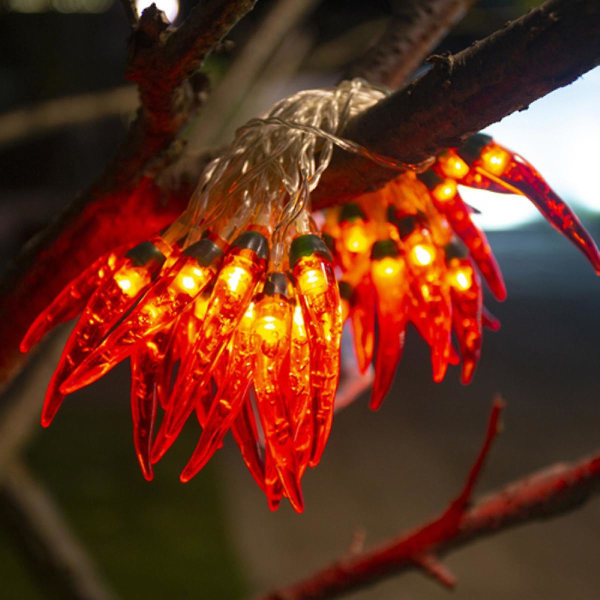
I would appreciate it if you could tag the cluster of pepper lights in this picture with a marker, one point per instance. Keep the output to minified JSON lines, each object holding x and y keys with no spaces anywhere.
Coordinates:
{"x":236,"y":312}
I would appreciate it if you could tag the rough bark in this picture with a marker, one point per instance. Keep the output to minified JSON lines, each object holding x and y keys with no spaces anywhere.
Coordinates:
{"x":545,"y":49}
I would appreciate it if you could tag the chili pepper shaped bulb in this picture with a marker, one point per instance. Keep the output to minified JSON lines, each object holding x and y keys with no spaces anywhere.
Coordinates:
{"x":515,"y":174}
{"x":319,"y":296}
{"x":355,"y":235}
{"x":467,"y":303}
{"x":274,"y":489}
{"x":298,"y":389}
{"x":72,"y":299}
{"x":246,"y":437}
{"x":489,"y":320}
{"x":447,"y":200}
{"x":362,"y":317}
{"x":229,"y":398}
{"x":243,"y":267}
{"x":146,"y":362}
{"x":389,"y":278}
{"x":271,"y":339}
{"x":110,"y":301}
{"x":178,"y":287}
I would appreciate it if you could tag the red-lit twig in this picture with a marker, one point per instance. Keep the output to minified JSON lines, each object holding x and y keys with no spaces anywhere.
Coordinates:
{"x":123,"y":205}
{"x":543,"y":494}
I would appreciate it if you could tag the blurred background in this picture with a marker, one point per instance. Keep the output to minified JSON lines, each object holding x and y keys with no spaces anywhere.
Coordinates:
{"x":64,"y":107}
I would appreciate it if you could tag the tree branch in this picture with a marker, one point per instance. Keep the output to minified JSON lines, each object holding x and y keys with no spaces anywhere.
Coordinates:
{"x":544,"y":494}
{"x":46,"y":538}
{"x":547,"y":48}
{"x":414,"y":29}
{"x":123,"y":205}
{"x":65,"y":112}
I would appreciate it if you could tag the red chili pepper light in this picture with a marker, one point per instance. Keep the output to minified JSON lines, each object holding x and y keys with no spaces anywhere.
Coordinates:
{"x":362,"y":317}
{"x":467,"y":303}
{"x":112,"y":299}
{"x":146,"y":363}
{"x":390,"y":280}
{"x":319,"y":296}
{"x":243,"y":267}
{"x":180,"y":285}
{"x":515,"y":174}
{"x":447,"y":200}
{"x":298,"y":388}
{"x":72,"y":299}
{"x":432,"y":295}
{"x":245,"y":433}
{"x":271,"y":339}
{"x":229,"y":398}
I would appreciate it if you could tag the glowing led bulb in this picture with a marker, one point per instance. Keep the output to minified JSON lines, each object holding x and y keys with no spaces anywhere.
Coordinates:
{"x":494,"y":159}
{"x":452,"y":165}
{"x":421,"y":255}
{"x":460,"y":276}
{"x":445,"y":191}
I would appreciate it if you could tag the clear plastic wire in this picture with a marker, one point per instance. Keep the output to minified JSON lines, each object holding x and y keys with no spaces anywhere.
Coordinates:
{"x":276,"y":161}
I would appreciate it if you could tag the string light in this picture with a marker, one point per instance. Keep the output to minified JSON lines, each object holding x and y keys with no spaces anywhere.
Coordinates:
{"x":235,"y":312}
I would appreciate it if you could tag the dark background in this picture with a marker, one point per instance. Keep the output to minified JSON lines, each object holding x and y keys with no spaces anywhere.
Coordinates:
{"x":382,"y":473}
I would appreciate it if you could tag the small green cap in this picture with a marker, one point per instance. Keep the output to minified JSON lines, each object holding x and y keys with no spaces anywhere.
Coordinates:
{"x":430,"y":178}
{"x":307,"y":245}
{"x":383,"y":248}
{"x":255,"y":241}
{"x":455,"y":249}
{"x":472,"y":147}
{"x":147,"y":255}
{"x":276,"y":283}
{"x":346,"y":290}
{"x":205,"y":251}
{"x":351,"y":212}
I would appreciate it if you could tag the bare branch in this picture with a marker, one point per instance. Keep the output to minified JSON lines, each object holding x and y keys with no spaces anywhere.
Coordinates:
{"x":547,"y":48}
{"x":131,"y":207}
{"x":545,"y":494}
{"x":65,"y":112}
{"x":414,"y":29}
{"x":130,"y":12}
{"x":47,"y":539}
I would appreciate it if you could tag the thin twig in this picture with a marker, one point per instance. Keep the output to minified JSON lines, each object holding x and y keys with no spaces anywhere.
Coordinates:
{"x":226,"y":97}
{"x":547,"y":48}
{"x":47,"y":540}
{"x":414,"y":29}
{"x":65,"y":112}
{"x":544,"y":494}
{"x":130,"y":12}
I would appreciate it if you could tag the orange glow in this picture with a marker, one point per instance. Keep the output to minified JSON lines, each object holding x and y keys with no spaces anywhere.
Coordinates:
{"x":494,"y":159}
{"x":445,"y":191}
{"x":355,"y":236}
{"x":421,"y":255}
{"x":237,"y":278}
{"x":131,"y":280}
{"x":460,"y":276}
{"x":452,"y":165}
{"x":312,"y":281}
{"x":189,"y":278}
{"x":387,"y":268}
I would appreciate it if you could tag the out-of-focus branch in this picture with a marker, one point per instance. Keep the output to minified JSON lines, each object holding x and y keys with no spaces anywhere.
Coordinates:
{"x":123,"y":205}
{"x":47,"y":540}
{"x":414,"y":29}
{"x":281,"y":19}
{"x":65,"y":112}
{"x":544,"y":494}
{"x":547,"y":48}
